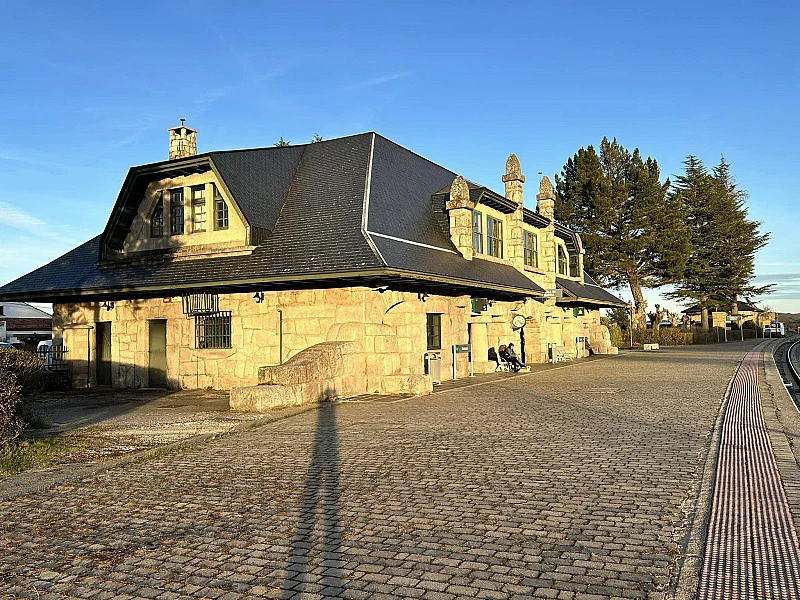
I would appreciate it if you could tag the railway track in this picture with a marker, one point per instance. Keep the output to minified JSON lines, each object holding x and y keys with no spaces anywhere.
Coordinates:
{"x":787,"y":359}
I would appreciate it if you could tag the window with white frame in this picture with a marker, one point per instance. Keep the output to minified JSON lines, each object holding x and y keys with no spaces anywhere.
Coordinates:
{"x":220,"y":210}
{"x":198,"y":208}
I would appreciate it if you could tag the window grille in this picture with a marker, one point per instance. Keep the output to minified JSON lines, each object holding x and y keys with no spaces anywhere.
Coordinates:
{"x":531,"y":249}
{"x":176,"y":207}
{"x":477,"y":232}
{"x":157,"y":220}
{"x":200,"y":304}
{"x":494,"y":237}
{"x":198,"y":209}
{"x":213,"y":331}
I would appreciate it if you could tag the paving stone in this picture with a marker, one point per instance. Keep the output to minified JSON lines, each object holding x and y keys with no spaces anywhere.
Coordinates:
{"x":566,"y":484}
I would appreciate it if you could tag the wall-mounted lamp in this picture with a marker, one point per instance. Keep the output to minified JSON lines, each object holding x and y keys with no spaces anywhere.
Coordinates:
{"x":258,"y":297}
{"x":108,"y":305}
{"x":381,"y":288}
{"x":421,"y":296}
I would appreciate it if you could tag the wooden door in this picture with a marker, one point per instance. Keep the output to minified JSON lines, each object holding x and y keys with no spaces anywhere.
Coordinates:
{"x":157,"y":369}
{"x":103,"y":345}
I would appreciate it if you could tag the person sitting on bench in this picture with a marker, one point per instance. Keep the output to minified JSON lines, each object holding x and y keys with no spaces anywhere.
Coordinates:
{"x":507,"y":354}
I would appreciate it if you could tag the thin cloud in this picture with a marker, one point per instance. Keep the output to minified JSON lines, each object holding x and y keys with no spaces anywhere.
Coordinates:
{"x":15,"y":218}
{"x":378,"y":80}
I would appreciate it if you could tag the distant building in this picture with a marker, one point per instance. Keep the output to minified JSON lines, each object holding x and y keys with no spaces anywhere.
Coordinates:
{"x":746,"y":311}
{"x":24,"y":325}
{"x":214,"y":265}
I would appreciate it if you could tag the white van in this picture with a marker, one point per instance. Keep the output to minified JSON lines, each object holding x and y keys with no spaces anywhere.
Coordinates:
{"x":775,"y":329}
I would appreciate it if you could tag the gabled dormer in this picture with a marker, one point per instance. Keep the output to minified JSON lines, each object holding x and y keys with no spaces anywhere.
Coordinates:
{"x":198,"y":206}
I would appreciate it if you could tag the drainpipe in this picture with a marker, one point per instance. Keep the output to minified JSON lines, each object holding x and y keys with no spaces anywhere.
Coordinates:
{"x":280,"y":336}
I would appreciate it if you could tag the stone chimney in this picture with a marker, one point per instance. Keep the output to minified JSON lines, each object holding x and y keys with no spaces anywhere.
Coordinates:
{"x":546,"y":199}
{"x":515,"y":243}
{"x":182,"y":141}
{"x":459,"y":209}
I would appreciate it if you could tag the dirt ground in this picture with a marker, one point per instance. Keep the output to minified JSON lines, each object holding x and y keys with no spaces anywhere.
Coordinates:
{"x":110,"y":423}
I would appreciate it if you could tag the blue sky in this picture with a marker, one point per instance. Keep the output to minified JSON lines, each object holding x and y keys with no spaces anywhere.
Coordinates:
{"x":89,"y":89}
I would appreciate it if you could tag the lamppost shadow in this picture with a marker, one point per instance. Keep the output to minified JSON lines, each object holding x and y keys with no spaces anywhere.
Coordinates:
{"x":315,"y":563}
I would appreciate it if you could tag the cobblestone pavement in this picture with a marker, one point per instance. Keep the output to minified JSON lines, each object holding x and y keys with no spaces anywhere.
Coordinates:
{"x":568,"y":483}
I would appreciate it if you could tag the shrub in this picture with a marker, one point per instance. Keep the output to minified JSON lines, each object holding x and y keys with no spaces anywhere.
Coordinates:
{"x":20,"y":375}
{"x":616,"y":335}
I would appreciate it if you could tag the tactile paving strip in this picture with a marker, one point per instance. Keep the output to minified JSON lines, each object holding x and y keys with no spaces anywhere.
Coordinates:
{"x":752,"y":548}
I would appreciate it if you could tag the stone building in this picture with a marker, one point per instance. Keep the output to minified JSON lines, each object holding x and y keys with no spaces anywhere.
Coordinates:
{"x":215,"y":266}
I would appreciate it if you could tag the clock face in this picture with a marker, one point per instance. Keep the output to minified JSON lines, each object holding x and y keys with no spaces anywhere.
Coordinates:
{"x":518,"y":321}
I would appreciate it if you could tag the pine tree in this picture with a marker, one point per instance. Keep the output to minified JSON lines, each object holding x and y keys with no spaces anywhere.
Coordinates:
{"x":632,"y":231}
{"x":721,"y":266}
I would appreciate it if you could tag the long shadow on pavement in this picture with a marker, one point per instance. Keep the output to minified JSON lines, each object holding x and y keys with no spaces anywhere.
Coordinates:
{"x":315,"y":563}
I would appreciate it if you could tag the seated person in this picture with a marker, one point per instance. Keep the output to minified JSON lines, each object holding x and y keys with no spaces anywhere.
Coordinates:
{"x":513,"y":358}
{"x":513,"y":363}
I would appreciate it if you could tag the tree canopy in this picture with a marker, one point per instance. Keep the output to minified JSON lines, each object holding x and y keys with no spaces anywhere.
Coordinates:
{"x":632,"y":230}
{"x":721,"y":268}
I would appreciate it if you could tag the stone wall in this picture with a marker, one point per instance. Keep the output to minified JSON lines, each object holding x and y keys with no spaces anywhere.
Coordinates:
{"x":390,"y":326}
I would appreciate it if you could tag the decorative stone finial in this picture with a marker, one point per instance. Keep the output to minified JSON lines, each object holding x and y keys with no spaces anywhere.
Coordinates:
{"x":459,"y":195}
{"x":513,"y":170}
{"x":546,"y":189}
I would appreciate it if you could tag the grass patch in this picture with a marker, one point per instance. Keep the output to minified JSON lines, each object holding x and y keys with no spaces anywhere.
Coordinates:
{"x":37,"y":453}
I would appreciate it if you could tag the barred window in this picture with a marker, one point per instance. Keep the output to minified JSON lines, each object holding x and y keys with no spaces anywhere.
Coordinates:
{"x":157,"y":219}
{"x":494,"y":237}
{"x":199,"y":208}
{"x":477,"y":232}
{"x":176,"y":206}
{"x":213,"y":331}
{"x":220,"y":210}
{"x":531,"y":249}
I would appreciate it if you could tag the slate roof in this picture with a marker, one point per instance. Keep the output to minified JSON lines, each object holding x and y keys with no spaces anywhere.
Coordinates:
{"x":357,"y":208}
{"x":588,"y":292}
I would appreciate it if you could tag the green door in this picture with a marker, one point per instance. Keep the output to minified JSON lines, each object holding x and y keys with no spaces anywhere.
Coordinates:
{"x":103,"y":345}
{"x":157,"y":371}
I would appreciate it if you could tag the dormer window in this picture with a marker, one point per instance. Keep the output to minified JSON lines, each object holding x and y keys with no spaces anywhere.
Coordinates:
{"x":573,"y":265}
{"x":220,"y":210}
{"x":176,"y":207}
{"x":562,"y":260}
{"x":494,"y":237}
{"x":157,"y":219}
{"x":531,"y":250}
{"x":477,"y":232}
{"x":198,"y":208}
